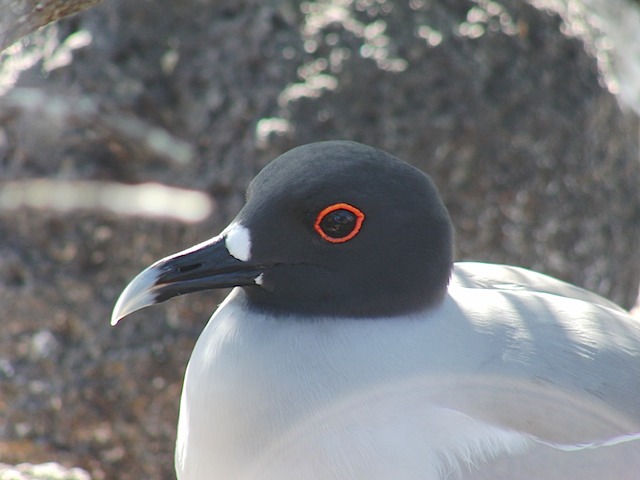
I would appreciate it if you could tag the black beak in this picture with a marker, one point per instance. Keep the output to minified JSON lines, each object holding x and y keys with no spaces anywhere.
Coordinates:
{"x":206,"y":266}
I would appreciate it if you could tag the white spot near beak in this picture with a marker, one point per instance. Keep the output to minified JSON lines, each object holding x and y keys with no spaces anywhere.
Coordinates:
{"x":238,"y":242}
{"x":259,"y":279}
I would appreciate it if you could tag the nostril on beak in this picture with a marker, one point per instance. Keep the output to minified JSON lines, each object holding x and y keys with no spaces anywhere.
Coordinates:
{"x":188,"y":268}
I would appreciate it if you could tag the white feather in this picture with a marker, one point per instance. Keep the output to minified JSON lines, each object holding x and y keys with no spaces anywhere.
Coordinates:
{"x":488,"y":382}
{"x":238,"y":241}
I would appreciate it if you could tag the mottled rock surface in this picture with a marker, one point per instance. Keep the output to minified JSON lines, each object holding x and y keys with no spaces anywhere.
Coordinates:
{"x":508,"y":105}
{"x":44,"y":471}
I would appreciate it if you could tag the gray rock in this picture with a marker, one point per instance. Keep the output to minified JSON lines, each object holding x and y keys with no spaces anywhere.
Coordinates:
{"x":536,"y":158}
{"x":44,"y":471}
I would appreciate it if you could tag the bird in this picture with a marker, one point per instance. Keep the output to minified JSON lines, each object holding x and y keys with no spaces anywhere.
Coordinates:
{"x":352,"y":346}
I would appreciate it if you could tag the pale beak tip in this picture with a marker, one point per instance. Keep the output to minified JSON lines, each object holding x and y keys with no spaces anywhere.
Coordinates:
{"x":138,"y":294}
{"x":115,"y":319}
{"x":120,"y":311}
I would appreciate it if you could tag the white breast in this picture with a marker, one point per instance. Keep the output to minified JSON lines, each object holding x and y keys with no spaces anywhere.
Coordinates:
{"x":474,"y":388}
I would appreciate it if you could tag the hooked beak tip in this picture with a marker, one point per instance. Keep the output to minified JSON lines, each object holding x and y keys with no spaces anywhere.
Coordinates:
{"x":138,"y":294}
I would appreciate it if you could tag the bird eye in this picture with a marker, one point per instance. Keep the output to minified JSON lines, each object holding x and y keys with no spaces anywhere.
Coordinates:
{"x":339,"y":222}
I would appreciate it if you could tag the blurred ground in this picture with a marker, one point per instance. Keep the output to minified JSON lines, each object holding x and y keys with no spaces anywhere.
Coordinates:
{"x":524,"y":116}
{"x":45,"y":471}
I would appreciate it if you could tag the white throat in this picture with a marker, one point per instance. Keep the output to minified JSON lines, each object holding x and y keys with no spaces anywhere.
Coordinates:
{"x":260,"y":394}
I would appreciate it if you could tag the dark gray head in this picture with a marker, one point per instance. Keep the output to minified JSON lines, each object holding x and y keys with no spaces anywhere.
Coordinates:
{"x":330,"y":228}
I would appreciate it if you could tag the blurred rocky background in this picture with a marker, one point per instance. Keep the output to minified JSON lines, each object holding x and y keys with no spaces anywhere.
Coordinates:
{"x":130,"y":130}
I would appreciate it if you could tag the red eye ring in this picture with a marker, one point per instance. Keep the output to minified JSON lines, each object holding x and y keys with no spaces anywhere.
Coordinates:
{"x":332,"y":208}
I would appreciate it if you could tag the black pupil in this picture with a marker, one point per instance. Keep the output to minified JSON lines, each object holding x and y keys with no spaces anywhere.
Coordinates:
{"x":338,"y":223}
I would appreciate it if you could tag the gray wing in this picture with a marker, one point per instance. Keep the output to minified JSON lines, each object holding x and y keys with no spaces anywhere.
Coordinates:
{"x":505,"y":277}
{"x":553,"y":361}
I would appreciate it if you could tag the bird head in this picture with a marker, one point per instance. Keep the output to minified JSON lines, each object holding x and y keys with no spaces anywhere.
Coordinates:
{"x":330,"y":228}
